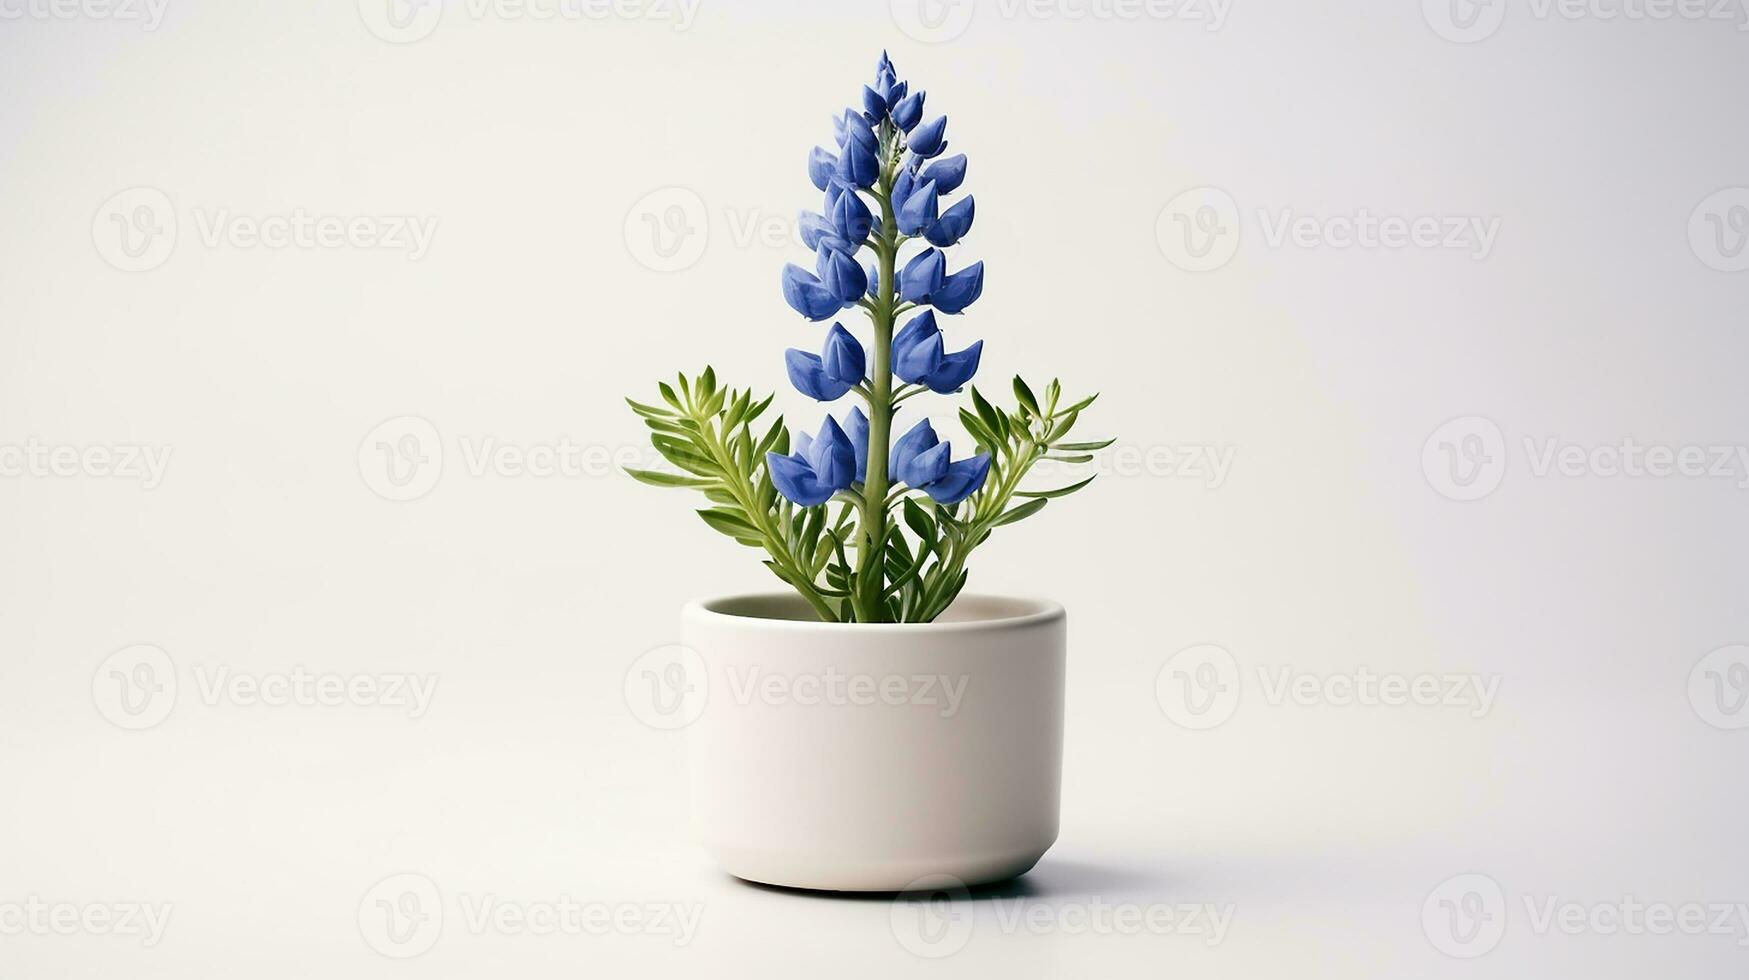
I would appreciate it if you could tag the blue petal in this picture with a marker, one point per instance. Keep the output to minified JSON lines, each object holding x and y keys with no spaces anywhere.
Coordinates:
{"x":843,"y":356}
{"x":961,"y":480}
{"x":859,"y":164}
{"x":926,"y":140}
{"x":920,"y":438}
{"x":918,"y":211}
{"x":959,"y":290}
{"x":856,"y":427}
{"x":796,"y":480}
{"x":872,"y":102}
{"x":948,"y":173}
{"x":952,"y":225}
{"x":926,"y":467}
{"x":850,"y":217}
{"x":842,"y":275}
{"x":922,"y":276}
{"x":820,"y":165}
{"x":909,"y":111}
{"x":955,"y":369}
{"x":809,"y":376}
{"x":832,"y":456}
{"x":807,"y":295}
{"x":909,"y":362}
{"x":817,"y":232}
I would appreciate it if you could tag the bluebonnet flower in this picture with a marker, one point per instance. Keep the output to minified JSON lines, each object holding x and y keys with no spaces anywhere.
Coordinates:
{"x":819,"y":467}
{"x":922,"y":461}
{"x":926,"y":140}
{"x":828,"y":375}
{"x":948,"y":173}
{"x":841,"y":274}
{"x":918,"y":357}
{"x":820,"y":166}
{"x":859,"y":160}
{"x":924,"y":280}
{"x":908,"y":112}
{"x":849,"y":216}
{"x":807,"y":295}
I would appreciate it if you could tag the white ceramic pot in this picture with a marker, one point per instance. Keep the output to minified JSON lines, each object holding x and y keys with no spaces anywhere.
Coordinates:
{"x":862,"y":757}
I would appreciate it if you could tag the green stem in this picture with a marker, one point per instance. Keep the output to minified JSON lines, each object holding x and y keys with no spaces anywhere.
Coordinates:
{"x":871,"y":556}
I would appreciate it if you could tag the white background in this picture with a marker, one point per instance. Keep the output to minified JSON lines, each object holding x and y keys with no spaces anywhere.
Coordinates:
{"x":1606,"y":308}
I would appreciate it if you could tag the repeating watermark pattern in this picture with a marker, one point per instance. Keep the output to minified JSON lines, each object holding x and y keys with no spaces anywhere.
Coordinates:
{"x":406,"y":21}
{"x":142,"y":921}
{"x":1207,"y":464}
{"x":1466,"y":916}
{"x":1470,"y":21}
{"x":939,"y":21}
{"x":137,"y":688}
{"x":1718,"y":230}
{"x":1718,"y":687}
{"x":1466,"y":459}
{"x":667,"y":687}
{"x":146,"y":13}
{"x":1199,"y":230}
{"x":402,"y":458}
{"x":1200,"y":687}
{"x":934,"y":918}
{"x":403,"y":916}
{"x":831,"y":687}
{"x":36,"y":459}
{"x":136,"y":230}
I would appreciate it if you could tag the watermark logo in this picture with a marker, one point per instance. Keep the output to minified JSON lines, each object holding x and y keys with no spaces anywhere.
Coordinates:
{"x":402,"y":458}
{"x":1464,"y":21}
{"x":1465,"y":459}
{"x":1718,"y":687}
{"x":1201,"y":687}
{"x":135,"y":230}
{"x":1198,"y":687}
{"x":401,"y":21}
{"x":1198,"y":231}
{"x":933,"y":21}
{"x":1465,"y":916}
{"x":667,"y":229}
{"x":401,"y":916}
{"x":667,"y":687}
{"x":135,"y":687}
{"x":145,"y":921}
{"x":1718,"y":230}
{"x":932,"y":917}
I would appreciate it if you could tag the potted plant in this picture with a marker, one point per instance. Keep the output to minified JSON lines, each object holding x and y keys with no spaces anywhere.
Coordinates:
{"x":873,"y":726}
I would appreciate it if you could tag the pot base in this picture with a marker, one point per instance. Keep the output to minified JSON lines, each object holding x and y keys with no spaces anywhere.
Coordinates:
{"x":840,"y":875}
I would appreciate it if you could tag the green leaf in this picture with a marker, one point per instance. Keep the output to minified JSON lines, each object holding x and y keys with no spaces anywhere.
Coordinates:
{"x":979,"y":431}
{"x":1021,"y":513}
{"x":657,"y":478}
{"x":1074,"y":458}
{"x":1083,"y":403}
{"x":669,"y":396}
{"x":1059,"y":492}
{"x":649,"y":411}
{"x":992,"y":419}
{"x":1025,"y":396}
{"x":919,"y":522}
{"x":730,"y":521}
{"x":1059,"y":430}
{"x":1084,"y":447}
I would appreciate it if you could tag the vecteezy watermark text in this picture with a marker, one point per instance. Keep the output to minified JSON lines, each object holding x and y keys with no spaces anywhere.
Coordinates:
{"x":119,"y":461}
{"x":138,"y":686}
{"x":1467,"y":916}
{"x":1466,"y":459}
{"x":145,"y":921}
{"x":147,"y":13}
{"x":1200,"y":687}
{"x":403,"y":916}
{"x":137,"y":230}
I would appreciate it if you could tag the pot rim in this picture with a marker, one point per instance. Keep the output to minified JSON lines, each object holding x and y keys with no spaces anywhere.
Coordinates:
{"x":706,"y":608}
